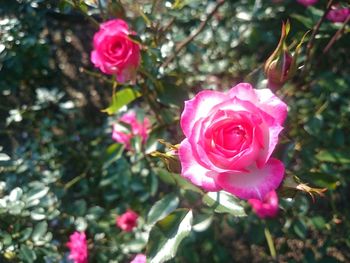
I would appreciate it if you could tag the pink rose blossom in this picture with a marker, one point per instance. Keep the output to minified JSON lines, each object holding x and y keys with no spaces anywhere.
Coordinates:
{"x":268,"y":207}
{"x":114,"y":51}
{"x":307,"y":2}
{"x":139,"y":258}
{"x":229,"y":140}
{"x":338,"y":14}
{"x":122,"y":135}
{"x":127,"y":221}
{"x":78,"y":248}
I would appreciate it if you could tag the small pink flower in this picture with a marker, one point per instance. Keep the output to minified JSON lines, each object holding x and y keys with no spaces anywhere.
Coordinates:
{"x":307,"y":2}
{"x":266,"y":208}
{"x":115,"y":53}
{"x":127,"y":221}
{"x":139,"y":258}
{"x":338,"y":14}
{"x":78,"y":247}
{"x":229,"y":141}
{"x":122,"y":135}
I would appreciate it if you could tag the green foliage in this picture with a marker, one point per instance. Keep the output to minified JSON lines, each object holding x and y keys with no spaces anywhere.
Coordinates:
{"x":61,"y":172}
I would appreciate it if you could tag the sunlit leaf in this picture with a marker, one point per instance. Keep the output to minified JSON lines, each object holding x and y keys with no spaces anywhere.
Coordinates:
{"x":120,"y":99}
{"x":162,"y":208}
{"x":223,"y":202}
{"x":167,"y":234}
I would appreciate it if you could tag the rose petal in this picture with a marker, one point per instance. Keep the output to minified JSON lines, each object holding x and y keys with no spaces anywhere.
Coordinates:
{"x":254,"y":184}
{"x":194,"y":172}
{"x":263,"y":99}
{"x":199,"y":107}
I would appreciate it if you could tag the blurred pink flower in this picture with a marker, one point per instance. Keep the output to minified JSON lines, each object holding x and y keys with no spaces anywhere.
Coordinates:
{"x":139,"y":258}
{"x":115,"y":53}
{"x":307,"y":2}
{"x":338,"y":14}
{"x":268,"y":207}
{"x":127,"y":221}
{"x":122,"y":135}
{"x":78,"y":247}
{"x":230,"y":138}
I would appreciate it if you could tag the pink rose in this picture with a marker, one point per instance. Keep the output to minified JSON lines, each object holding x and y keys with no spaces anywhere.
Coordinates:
{"x":127,"y":221}
{"x":229,"y":140}
{"x":338,"y":14}
{"x":122,"y":135}
{"x":268,"y":207}
{"x":114,"y":51}
{"x":78,"y":248}
{"x":139,"y":258}
{"x":307,"y":2}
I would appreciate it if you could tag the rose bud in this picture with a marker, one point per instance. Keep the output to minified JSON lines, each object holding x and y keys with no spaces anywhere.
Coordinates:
{"x":281,"y":65}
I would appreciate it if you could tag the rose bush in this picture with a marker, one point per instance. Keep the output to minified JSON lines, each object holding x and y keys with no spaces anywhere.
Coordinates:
{"x":229,"y":140}
{"x":114,"y":51}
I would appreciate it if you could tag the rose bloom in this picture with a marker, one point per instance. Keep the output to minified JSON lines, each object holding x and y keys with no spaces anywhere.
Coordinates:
{"x":122,"y":135}
{"x":127,"y":221}
{"x":114,"y":52}
{"x":139,"y":258}
{"x":268,"y":207}
{"x":307,"y":2}
{"x":229,"y":140}
{"x":338,"y":14}
{"x":78,"y":248}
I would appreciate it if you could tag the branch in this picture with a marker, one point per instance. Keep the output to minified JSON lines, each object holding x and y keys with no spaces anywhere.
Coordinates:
{"x":187,"y":40}
{"x":336,"y":36}
{"x":310,"y":44}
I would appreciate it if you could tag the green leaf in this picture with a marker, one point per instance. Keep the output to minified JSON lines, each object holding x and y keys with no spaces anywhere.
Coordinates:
{"x":162,"y":208}
{"x":25,"y":234}
{"x":176,"y":179}
{"x":334,"y":156}
{"x":113,"y":153}
{"x":27,"y":254}
{"x":300,"y":229}
{"x":122,"y":98}
{"x":167,"y":234}
{"x":39,"y":231}
{"x":202,"y":222}
{"x":36,"y":193}
{"x":4,"y":157}
{"x":223,"y":202}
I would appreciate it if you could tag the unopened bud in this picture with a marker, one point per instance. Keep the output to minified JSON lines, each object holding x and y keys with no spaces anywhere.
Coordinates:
{"x":282,"y":64}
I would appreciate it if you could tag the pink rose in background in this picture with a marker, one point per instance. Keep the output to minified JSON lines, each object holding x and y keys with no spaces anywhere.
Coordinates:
{"x":127,"y":221}
{"x":338,"y":14}
{"x":307,"y":2}
{"x":268,"y":207}
{"x":122,"y":135}
{"x":78,"y":248}
{"x":139,"y":258}
{"x":229,"y":140}
{"x":114,"y":52}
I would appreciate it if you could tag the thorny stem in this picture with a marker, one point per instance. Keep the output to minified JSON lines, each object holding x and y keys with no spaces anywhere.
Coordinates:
{"x":315,"y":30}
{"x":336,"y":36}
{"x":94,"y":74}
{"x":187,"y":40}
{"x":114,"y":87}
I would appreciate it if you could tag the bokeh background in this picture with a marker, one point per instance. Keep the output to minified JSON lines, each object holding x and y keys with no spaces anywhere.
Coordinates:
{"x":60,"y":171}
